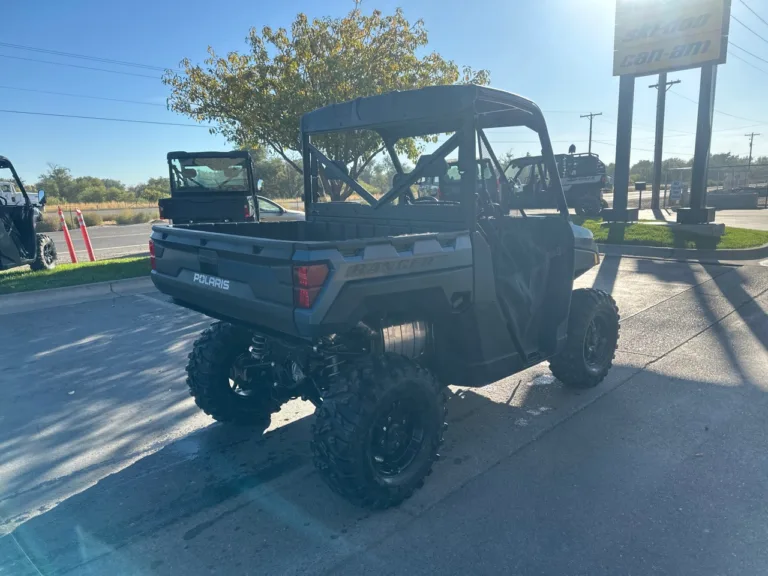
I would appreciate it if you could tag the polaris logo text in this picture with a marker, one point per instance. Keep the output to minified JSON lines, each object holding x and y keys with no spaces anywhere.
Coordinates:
{"x":211,"y":281}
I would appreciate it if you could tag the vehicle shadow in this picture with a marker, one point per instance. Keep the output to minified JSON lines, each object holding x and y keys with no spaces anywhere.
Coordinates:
{"x":222,"y":483}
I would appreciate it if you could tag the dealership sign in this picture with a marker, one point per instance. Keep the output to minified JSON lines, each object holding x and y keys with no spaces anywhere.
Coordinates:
{"x":654,"y":36}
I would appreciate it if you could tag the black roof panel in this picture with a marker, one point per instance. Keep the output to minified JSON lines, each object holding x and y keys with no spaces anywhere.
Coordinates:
{"x":430,"y":110}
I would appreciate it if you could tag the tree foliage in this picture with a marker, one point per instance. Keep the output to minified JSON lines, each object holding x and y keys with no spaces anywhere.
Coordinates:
{"x":60,"y":185}
{"x":258,"y":97}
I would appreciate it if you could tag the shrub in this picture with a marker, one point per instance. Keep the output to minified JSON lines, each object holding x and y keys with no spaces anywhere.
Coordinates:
{"x":49,"y":223}
{"x":130,"y":217}
{"x":93,"y":219}
{"x":141,"y":217}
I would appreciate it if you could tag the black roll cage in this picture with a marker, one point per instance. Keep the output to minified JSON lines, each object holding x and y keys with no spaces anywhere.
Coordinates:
{"x":244,"y":154}
{"x":463,"y":110}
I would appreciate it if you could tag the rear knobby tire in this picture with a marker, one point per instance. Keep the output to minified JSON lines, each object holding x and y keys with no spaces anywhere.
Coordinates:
{"x":208,"y":377}
{"x":349,"y":443}
{"x":586,"y":358}
{"x":590,"y":207}
{"x":46,"y":256}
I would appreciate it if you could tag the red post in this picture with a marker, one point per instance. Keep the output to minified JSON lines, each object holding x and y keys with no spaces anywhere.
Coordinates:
{"x":86,"y":238}
{"x":67,"y":237}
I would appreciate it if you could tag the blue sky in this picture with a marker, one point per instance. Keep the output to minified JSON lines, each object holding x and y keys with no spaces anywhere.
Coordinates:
{"x":556,"y":52}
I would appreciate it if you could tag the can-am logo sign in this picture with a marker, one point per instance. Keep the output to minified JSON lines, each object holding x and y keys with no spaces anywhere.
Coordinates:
{"x":211,"y":281}
{"x":654,"y":36}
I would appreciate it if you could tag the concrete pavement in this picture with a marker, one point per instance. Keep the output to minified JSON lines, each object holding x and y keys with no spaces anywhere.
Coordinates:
{"x":109,"y":468}
{"x":751,"y":219}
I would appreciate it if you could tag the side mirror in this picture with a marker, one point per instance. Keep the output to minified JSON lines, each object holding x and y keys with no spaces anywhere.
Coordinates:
{"x":41,"y":197}
{"x":259,"y":185}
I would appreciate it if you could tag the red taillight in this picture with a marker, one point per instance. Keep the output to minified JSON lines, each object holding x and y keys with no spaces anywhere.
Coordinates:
{"x":247,"y":211}
{"x":307,"y":283}
{"x":152,"y":262}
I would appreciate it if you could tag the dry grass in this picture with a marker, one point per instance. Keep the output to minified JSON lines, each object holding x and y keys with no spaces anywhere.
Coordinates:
{"x":85,"y":206}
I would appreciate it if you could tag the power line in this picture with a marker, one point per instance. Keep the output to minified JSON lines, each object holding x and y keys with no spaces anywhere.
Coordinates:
{"x":126,"y":120}
{"x":716,"y":110}
{"x":748,"y":63}
{"x":80,"y":96}
{"x":753,"y":12}
{"x":748,"y":52}
{"x":79,"y":66}
{"x":647,"y":127}
{"x":82,"y":56}
{"x":750,"y":29}
{"x":640,"y":149}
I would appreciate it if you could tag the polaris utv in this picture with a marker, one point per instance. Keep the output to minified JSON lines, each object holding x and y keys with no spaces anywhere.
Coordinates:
{"x":217,"y":187}
{"x":370,"y":310}
{"x":582,"y":176}
{"x":19,"y":242}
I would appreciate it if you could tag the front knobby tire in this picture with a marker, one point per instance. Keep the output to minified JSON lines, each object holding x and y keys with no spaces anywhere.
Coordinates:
{"x":378,"y":430}
{"x":215,"y":387}
{"x":46,"y":254}
{"x":593,"y":335}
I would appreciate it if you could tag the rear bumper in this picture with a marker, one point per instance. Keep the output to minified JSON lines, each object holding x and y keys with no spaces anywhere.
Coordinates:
{"x":238,"y":305}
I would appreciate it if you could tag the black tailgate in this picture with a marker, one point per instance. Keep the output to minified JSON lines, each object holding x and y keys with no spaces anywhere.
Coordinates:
{"x":231,"y":277}
{"x":205,"y":209}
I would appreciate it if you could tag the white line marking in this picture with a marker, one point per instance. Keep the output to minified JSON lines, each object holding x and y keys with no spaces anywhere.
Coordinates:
{"x":26,"y":555}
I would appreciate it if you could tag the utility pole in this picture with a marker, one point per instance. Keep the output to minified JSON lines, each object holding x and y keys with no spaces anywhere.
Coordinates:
{"x":661,"y":104}
{"x":751,"y":141}
{"x":591,"y":117}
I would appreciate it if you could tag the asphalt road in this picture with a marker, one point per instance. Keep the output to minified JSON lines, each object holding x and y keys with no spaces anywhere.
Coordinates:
{"x":108,"y":468}
{"x":107,"y":241}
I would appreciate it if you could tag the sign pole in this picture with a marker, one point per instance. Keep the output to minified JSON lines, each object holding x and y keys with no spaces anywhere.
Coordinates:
{"x":619,"y":212}
{"x":697,"y":212}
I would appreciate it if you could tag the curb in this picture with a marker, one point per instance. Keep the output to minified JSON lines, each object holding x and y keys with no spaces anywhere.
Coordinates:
{"x":684,"y":253}
{"x":53,"y":297}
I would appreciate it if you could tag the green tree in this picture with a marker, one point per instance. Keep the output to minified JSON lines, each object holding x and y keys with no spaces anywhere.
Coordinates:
{"x":111,"y":183}
{"x":257,"y":98}
{"x":642,"y":171}
{"x":152,"y":190}
{"x":57,"y":182}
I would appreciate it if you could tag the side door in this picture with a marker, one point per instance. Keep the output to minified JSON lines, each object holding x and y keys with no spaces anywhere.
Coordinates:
{"x":269,"y":211}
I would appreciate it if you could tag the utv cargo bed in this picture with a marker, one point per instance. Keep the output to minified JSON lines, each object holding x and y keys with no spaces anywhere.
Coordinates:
{"x":229,"y":273}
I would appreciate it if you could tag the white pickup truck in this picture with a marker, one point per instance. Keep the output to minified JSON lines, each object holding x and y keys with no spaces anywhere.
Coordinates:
{"x":9,"y":191}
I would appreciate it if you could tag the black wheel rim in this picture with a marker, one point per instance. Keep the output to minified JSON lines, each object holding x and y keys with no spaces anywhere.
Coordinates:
{"x":397,"y":438}
{"x":237,"y":385}
{"x":48,"y":255}
{"x":597,"y":345}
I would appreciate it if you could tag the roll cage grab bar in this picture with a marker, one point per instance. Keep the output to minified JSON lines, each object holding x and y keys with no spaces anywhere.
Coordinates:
{"x":335,"y":171}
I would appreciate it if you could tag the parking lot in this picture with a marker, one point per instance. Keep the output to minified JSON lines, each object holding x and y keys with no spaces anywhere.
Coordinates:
{"x":108,"y":468}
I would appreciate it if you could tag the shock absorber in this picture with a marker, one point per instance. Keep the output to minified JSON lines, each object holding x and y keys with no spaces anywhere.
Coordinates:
{"x":332,"y":366}
{"x":258,"y":347}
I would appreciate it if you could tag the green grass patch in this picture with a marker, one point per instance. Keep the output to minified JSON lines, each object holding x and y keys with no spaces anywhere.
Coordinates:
{"x":666,"y":237}
{"x":24,"y":280}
